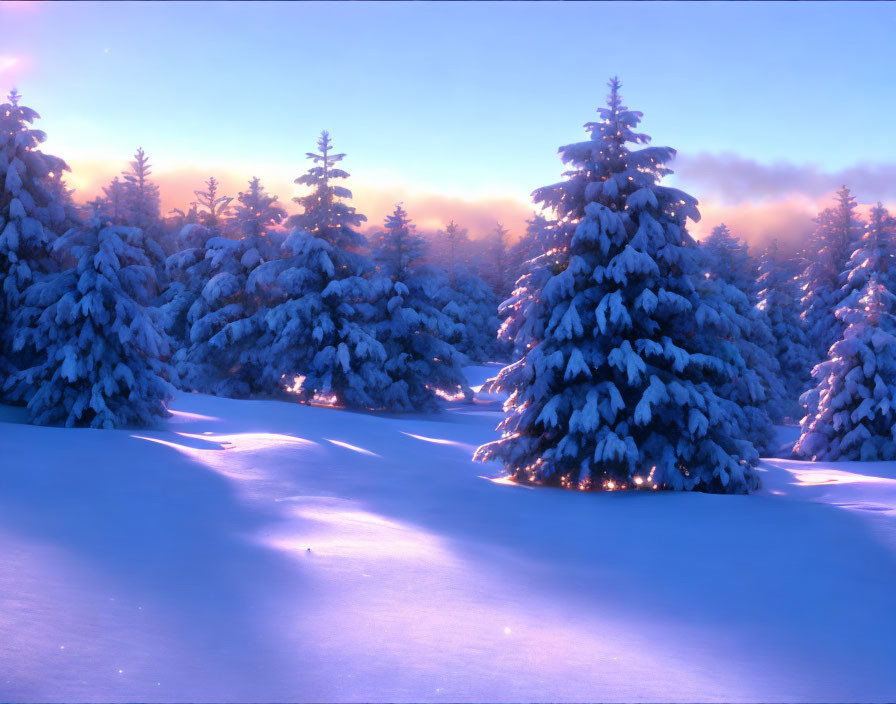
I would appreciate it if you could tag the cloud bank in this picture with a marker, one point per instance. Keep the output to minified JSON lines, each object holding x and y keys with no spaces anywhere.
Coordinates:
{"x":731,"y":178}
{"x":758,"y":201}
{"x":761,"y":201}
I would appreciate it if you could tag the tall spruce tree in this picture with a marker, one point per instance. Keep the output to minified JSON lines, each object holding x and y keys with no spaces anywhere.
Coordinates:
{"x":141,"y":195}
{"x":730,"y":280}
{"x":322,"y":317}
{"x":420,"y":362}
{"x":227,"y":336}
{"x":31,"y":217}
{"x":779,"y":300}
{"x":732,"y":260}
{"x":851,"y":413}
{"x":619,"y":392}
{"x":837,"y":234}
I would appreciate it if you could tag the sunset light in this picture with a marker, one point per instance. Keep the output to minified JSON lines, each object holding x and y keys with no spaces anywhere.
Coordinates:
{"x":428,"y":351}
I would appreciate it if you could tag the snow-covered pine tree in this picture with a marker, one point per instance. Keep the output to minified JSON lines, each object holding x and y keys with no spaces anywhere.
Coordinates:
{"x":212,"y":208}
{"x":740,"y":337}
{"x":113,"y":204}
{"x":730,"y":281}
{"x":188,"y":271}
{"x":321,"y":320}
{"x":457,"y":289}
{"x":256,"y":212}
{"x":540,"y":254}
{"x":142,"y":210}
{"x":537,"y":239}
{"x":472,"y":307}
{"x":732,"y":259}
{"x":223,"y":332}
{"x":851,"y":413}
{"x":779,"y":300}
{"x":414,"y":332}
{"x":398,"y":249}
{"x":837,"y":234}
{"x":141,"y":196}
{"x":619,"y":392}
{"x":874,"y":255}
{"x":227,"y":335}
{"x":30,"y":219}
{"x":453,"y":250}
{"x":100,"y":350}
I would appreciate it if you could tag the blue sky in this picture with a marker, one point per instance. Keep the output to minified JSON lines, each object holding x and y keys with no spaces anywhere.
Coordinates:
{"x":461,"y":100}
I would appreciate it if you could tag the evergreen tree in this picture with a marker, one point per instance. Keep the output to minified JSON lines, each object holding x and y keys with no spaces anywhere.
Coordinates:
{"x":454,"y":251}
{"x":739,"y":336}
{"x":100,"y":350}
{"x":413,"y":331}
{"x":619,"y":392}
{"x":732,"y":260}
{"x":225,"y":344}
{"x":472,"y":307}
{"x":188,"y":270}
{"x":541,"y":255}
{"x":836,"y":236}
{"x":779,"y":300}
{"x":464,"y":297}
{"x":31,"y":216}
{"x":226,"y":338}
{"x":141,"y":209}
{"x":851,"y":413}
{"x":113,"y":204}
{"x":323,"y":341}
{"x":322,"y":314}
{"x":255,"y":214}
{"x":212,"y":208}
{"x":141,"y":196}
{"x":730,"y":282}
{"x":539,"y":237}
{"x":325,"y":212}
{"x":398,"y":248}
{"x":874,"y":255}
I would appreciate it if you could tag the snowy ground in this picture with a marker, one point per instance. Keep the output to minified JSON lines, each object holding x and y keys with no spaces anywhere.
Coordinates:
{"x":268,"y":551}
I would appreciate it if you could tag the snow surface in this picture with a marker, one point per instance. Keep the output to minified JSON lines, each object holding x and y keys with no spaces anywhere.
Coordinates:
{"x":258,"y":550}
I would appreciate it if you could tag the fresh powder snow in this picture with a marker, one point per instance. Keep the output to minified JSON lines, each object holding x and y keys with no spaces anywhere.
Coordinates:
{"x":265,"y":550}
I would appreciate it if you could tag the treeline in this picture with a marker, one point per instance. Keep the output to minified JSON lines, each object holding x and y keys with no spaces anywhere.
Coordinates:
{"x":108,"y":306}
{"x":642,"y":358}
